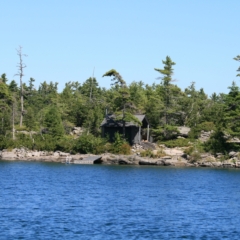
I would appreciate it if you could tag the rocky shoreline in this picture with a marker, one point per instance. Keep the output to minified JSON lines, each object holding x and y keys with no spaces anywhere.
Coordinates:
{"x":174,"y":158}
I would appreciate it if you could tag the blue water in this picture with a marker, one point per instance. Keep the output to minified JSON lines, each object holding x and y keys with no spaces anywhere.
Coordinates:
{"x":57,"y":201}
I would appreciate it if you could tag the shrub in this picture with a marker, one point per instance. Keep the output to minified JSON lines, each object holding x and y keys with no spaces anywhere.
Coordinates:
{"x":22,"y":128}
{"x":87,"y":143}
{"x":195,"y":156}
{"x":125,"y":149}
{"x":194,"y":151}
{"x":6,"y":143}
{"x":149,"y":153}
{"x":66,"y":144}
{"x":205,"y":126}
{"x":217,"y":143}
{"x":180,"y":142}
{"x":166,"y":132}
{"x":120,"y":146}
{"x":194,"y":147}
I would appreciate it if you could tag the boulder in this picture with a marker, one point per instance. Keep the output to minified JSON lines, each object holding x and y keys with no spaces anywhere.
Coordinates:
{"x":77,"y":131}
{"x":216,"y":164}
{"x":205,"y":164}
{"x":183,"y":131}
{"x":147,"y":161}
{"x":204,"y":136}
{"x":232,"y":154}
{"x":7,"y":155}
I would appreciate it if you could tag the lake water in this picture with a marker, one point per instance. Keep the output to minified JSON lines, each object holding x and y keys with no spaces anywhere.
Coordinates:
{"x":58,"y":201}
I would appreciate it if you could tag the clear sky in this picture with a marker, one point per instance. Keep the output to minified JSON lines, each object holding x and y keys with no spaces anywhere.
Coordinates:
{"x":66,"y":39}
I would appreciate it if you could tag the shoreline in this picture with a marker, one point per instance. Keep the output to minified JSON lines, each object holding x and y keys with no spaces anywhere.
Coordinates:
{"x":24,"y":155}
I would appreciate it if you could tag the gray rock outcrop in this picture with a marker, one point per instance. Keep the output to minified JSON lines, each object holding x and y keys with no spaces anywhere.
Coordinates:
{"x":183,"y":131}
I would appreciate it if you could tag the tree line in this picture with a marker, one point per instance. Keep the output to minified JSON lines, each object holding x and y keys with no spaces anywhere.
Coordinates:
{"x":50,"y":115}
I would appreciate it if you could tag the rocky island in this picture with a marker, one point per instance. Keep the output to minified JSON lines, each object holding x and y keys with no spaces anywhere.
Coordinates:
{"x":172,"y":157}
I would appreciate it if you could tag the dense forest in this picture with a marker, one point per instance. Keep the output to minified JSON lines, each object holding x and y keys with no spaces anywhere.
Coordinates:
{"x":49,"y":115}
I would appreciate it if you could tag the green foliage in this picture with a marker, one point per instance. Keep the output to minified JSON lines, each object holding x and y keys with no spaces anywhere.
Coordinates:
{"x":149,"y":153}
{"x":237,"y":58}
{"x":125,"y":106}
{"x":195,"y":156}
{"x":194,"y":151}
{"x":29,"y":120}
{"x":23,"y":140}
{"x":167,"y":95}
{"x":165,"y":105}
{"x":165,"y":133}
{"x":22,"y":128}
{"x":120,"y":146}
{"x":13,"y":87}
{"x":6,"y":143}
{"x":3,"y":78}
{"x":193,"y":103}
{"x":232,"y":111}
{"x":180,"y":142}
{"x":68,"y":126}
{"x":217,"y":143}
{"x":66,"y":144}
{"x":205,"y":126}
{"x":53,"y":122}
{"x":88,"y":143}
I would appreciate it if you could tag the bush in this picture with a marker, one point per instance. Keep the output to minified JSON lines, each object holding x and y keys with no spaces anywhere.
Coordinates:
{"x":6,"y":143}
{"x":195,"y":156}
{"x":217,"y":143}
{"x":22,"y":128}
{"x":120,"y":146}
{"x":165,"y":133}
{"x":88,"y":143}
{"x":66,"y":144}
{"x":34,"y":143}
{"x":180,"y":142}
{"x":149,"y":153}
{"x":146,"y":153}
{"x":205,"y":126}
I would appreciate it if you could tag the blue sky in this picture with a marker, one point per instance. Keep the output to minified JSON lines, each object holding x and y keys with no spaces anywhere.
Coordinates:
{"x":66,"y":39}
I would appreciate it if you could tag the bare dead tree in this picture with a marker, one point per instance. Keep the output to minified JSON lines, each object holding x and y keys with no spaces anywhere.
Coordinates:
{"x":20,"y":73}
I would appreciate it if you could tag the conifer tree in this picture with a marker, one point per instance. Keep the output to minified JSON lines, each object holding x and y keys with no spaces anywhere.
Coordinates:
{"x":167,"y":73}
{"x":237,"y":58}
{"x":53,"y":122}
{"x":123,"y":96}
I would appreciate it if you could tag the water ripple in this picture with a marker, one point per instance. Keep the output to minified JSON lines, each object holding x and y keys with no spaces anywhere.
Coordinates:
{"x":57,"y":201}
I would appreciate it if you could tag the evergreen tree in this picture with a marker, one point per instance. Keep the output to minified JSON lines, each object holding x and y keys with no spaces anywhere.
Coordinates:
{"x":167,"y":73}
{"x":53,"y":122}
{"x":232,"y":110}
{"x":237,"y":58}
{"x":169,"y":96}
{"x":5,"y":101}
{"x":123,"y":97}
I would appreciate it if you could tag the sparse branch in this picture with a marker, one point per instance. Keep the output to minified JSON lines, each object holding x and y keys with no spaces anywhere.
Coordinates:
{"x":116,"y":77}
{"x":237,"y":58}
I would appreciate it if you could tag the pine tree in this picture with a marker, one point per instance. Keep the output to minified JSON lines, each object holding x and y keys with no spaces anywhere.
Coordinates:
{"x":167,"y":73}
{"x":123,"y":98}
{"x":53,"y":122}
{"x":237,"y":58}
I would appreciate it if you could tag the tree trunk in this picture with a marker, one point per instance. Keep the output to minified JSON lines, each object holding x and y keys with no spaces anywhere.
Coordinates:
{"x":124,"y":123}
{"x":21,"y":115}
{"x":13,"y":129}
{"x":21,"y":66}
